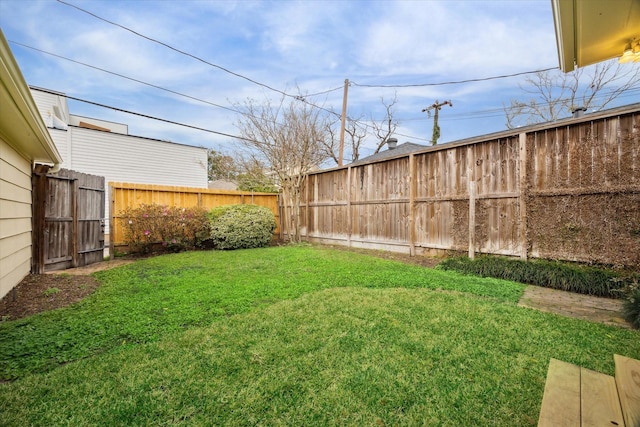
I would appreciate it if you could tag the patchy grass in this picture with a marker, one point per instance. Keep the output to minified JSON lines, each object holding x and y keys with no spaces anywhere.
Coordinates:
{"x":346,"y":339}
{"x":142,"y":302}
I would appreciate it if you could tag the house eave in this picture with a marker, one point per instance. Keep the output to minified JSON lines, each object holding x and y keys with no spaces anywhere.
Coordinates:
{"x":21,"y":125}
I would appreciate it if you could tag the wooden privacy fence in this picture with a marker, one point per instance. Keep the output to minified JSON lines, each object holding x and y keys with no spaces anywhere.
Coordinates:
{"x":127,"y":195}
{"x":68,"y":220}
{"x":569,"y":190}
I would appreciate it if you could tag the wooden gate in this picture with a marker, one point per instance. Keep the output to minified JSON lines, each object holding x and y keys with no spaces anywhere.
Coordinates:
{"x":68,"y":220}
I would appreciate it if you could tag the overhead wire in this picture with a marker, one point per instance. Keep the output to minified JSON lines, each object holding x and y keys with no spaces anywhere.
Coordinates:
{"x":175,"y":49}
{"x":147,"y":116}
{"x":126,"y":77}
{"x":197,"y":58}
{"x":480,"y":79}
{"x":301,"y":98}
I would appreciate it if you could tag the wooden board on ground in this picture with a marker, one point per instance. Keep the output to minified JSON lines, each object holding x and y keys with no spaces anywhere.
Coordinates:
{"x":561,"y":401}
{"x":628,"y":382}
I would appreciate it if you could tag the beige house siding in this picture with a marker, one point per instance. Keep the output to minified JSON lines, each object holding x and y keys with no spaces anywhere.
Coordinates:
{"x":24,"y":141}
{"x":15,"y":217}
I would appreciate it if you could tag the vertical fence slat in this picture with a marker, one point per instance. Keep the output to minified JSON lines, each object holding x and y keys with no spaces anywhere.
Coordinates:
{"x":522,"y":187}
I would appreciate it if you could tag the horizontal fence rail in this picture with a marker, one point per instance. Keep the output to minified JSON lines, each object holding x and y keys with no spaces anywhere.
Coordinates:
{"x":567,"y":191}
{"x":127,"y":195}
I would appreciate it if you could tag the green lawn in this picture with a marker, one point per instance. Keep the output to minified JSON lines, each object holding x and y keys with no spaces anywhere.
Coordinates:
{"x":291,"y":336}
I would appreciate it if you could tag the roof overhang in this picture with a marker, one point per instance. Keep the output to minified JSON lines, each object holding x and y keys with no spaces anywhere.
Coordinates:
{"x":591,"y":31}
{"x":21,"y":125}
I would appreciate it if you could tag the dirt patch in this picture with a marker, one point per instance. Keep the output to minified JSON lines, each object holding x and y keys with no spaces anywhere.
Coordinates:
{"x":43,"y":292}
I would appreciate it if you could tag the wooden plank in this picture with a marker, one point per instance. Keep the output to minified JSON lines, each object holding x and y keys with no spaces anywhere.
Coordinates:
{"x":599,"y":400}
{"x":522,"y":189}
{"x":561,"y":400}
{"x":628,"y":385}
{"x":74,"y":227}
{"x":412,"y":204}
{"x":472,"y":221}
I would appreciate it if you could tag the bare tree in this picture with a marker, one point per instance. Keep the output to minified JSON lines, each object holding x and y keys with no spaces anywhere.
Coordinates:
{"x":354,"y":135}
{"x":553,"y":94}
{"x":289,"y":138}
{"x":384,"y":128}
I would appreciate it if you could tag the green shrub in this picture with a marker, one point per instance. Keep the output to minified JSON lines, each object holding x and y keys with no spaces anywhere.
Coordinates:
{"x":164,"y":228}
{"x":241,"y":226}
{"x":551,"y":274}
{"x":631,"y":306}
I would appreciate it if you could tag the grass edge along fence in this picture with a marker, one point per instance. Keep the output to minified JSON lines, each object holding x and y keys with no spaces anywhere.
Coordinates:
{"x":129,"y":195}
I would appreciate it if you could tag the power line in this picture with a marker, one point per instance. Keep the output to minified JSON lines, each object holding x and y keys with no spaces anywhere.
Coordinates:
{"x":146,"y":116}
{"x":126,"y":77}
{"x":504,"y":76}
{"x":182,"y":52}
{"x":204,"y":61}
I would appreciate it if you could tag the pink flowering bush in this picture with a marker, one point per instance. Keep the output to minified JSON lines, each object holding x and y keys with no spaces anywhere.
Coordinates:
{"x":164,"y":228}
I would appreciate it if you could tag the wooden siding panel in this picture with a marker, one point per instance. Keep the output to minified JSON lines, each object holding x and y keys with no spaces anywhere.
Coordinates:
{"x":14,"y":271}
{"x":15,"y":217}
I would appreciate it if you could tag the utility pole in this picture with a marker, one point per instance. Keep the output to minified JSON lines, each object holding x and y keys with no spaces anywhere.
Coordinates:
{"x":342,"y":125}
{"x":436,"y":106}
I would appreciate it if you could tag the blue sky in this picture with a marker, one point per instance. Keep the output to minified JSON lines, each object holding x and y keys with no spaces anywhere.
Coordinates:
{"x":312,"y":46}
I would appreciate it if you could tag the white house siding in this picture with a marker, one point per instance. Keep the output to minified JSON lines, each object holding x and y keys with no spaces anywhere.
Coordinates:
{"x":47,"y":104}
{"x":126,"y":158}
{"x":117,"y":156}
{"x":15,"y":217}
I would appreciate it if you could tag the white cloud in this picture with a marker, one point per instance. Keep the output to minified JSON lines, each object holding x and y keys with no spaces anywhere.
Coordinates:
{"x":313,"y":45}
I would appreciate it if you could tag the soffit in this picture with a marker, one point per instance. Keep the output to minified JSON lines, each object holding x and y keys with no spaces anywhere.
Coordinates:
{"x":591,"y":31}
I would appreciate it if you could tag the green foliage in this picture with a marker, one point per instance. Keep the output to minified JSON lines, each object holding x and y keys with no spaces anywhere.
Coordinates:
{"x":551,"y":274}
{"x":337,"y":357}
{"x":241,"y":226}
{"x":165,"y":228}
{"x":142,"y":302}
{"x":50,"y":291}
{"x":255,"y":179}
{"x":631,"y":305}
{"x":221,"y":166}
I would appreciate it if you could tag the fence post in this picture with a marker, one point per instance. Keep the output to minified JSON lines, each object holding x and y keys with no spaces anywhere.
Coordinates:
{"x":112,"y":222}
{"x":472,"y":201}
{"x":472,"y":220}
{"x":522,"y":187}
{"x":75,"y":189}
{"x":412,"y":207}
{"x":349,"y":216}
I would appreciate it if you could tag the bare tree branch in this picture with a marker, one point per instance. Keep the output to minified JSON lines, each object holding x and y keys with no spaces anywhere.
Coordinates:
{"x":291,"y":138}
{"x":385,"y":128}
{"x":553,"y":94}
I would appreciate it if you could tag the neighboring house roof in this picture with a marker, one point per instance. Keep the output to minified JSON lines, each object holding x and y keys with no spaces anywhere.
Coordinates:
{"x":588,"y":32}
{"x":221,"y":184}
{"x":21,"y":125}
{"x":406,"y":148}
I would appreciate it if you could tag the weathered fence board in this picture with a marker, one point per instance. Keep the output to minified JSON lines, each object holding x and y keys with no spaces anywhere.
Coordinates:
{"x":569,"y":190}
{"x":128,"y":195}
{"x":68,"y":220}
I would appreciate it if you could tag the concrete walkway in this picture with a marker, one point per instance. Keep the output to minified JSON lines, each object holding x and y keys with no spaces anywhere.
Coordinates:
{"x":596,"y":309}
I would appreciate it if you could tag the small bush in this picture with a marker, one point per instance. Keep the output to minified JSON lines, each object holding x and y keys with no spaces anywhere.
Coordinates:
{"x":550,"y":274}
{"x":167,"y":228}
{"x":241,"y":226}
{"x":631,"y":306}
